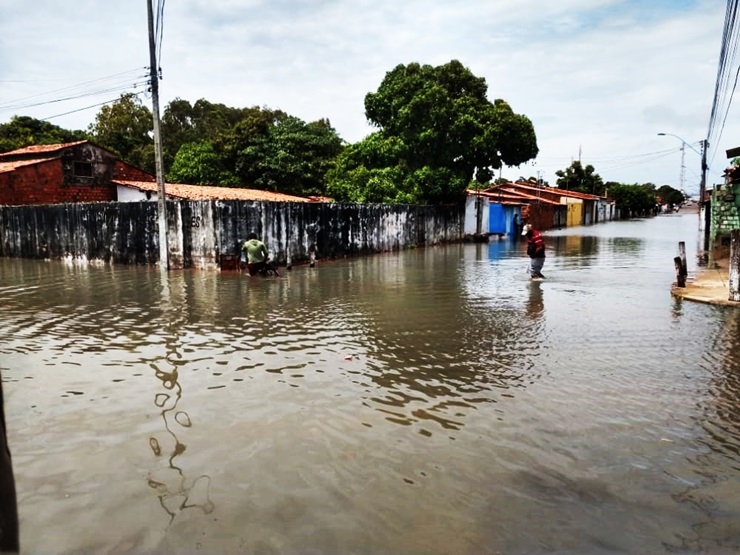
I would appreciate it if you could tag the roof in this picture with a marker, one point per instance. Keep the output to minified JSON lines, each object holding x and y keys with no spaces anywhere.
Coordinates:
{"x":13,"y":164}
{"x":39,"y":149}
{"x":552,"y":190}
{"x":495,"y":193}
{"x":209,"y":192}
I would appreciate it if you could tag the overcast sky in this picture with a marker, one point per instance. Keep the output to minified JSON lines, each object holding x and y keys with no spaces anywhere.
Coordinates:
{"x":598,"y":78}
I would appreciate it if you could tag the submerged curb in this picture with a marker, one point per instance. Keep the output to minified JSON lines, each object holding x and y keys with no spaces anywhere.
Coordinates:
{"x":709,"y":286}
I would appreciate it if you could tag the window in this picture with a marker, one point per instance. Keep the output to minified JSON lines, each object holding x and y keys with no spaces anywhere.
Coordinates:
{"x":82,"y":169}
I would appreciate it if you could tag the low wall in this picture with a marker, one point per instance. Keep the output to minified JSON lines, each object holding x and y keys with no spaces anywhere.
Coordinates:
{"x":201,"y":234}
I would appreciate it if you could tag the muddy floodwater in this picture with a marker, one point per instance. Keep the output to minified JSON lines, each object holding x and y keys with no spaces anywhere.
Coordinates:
{"x":433,"y":401}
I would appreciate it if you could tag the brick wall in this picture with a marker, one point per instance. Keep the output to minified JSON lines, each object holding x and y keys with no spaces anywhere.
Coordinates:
{"x":125,"y":172}
{"x":43,"y":183}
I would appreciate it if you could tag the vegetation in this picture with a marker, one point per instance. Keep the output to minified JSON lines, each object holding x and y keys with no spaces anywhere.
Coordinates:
{"x":23,"y":131}
{"x":670,"y":196}
{"x":633,"y":200}
{"x":125,"y":127}
{"x":582,"y":179}
{"x":437,"y":132}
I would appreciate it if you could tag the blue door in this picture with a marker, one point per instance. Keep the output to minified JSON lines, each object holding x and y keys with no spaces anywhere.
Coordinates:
{"x":496,"y":218}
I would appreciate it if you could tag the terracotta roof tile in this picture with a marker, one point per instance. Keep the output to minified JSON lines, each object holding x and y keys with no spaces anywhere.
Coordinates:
{"x":552,"y":190}
{"x":208,"y":192}
{"x":39,"y":149}
{"x":512,"y":196}
{"x":12,"y":165}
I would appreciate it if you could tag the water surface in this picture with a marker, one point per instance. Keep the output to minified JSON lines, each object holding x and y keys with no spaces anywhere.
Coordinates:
{"x":429,"y":401}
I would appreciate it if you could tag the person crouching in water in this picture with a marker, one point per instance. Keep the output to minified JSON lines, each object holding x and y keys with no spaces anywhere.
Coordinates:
{"x":256,"y":254}
{"x":535,"y":250}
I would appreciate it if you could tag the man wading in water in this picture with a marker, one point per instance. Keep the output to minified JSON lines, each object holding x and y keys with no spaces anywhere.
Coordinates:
{"x":535,"y":250}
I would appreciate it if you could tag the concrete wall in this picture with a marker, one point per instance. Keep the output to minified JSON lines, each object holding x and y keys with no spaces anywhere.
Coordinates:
{"x":471,"y":214}
{"x":725,"y":216}
{"x":202,"y":233}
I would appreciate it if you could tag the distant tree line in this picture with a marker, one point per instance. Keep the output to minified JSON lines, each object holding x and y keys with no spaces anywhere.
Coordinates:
{"x":437,"y":135}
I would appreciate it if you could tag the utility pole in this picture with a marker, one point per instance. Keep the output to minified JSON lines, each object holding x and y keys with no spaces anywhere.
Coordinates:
{"x":703,"y":184}
{"x":161,"y":197}
{"x":682,"y":178}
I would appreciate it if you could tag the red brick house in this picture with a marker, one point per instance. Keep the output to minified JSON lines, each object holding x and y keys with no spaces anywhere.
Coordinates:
{"x":85,"y":172}
{"x":72,"y":172}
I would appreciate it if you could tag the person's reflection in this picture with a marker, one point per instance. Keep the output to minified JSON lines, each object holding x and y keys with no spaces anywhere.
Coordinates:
{"x":535,"y":302}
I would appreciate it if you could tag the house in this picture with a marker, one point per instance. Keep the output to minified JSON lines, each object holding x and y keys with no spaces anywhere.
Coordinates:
{"x":495,"y":209}
{"x":582,"y":208}
{"x":85,"y":172}
{"x":71,"y":172}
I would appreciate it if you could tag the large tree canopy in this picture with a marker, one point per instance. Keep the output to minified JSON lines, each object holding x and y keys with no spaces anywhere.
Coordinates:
{"x":633,"y":200}
{"x":201,"y":122}
{"x":199,"y":164}
{"x":669,"y":195}
{"x":23,"y":131}
{"x":125,"y":127}
{"x":442,"y":130}
{"x":291,"y":157}
{"x":580,"y":178}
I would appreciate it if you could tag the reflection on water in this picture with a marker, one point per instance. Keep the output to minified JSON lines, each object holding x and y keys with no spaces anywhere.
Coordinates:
{"x":175,"y":492}
{"x":429,"y":401}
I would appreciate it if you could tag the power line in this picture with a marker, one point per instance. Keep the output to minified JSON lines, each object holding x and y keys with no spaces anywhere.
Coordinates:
{"x":97,"y":92}
{"x":77,"y":86}
{"x":159,"y":31}
{"x":86,"y":107}
{"x":728,"y":50}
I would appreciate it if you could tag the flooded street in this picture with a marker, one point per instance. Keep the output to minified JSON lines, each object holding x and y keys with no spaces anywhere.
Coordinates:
{"x":432,"y":401}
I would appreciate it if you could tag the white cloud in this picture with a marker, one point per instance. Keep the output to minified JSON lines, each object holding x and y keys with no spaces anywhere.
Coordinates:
{"x":599,"y":77}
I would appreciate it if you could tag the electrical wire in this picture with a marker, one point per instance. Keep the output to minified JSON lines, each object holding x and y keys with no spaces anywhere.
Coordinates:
{"x":111,"y":101}
{"x":97,"y":92}
{"x":159,"y":32}
{"x":123,"y":78}
{"x":722,"y":99}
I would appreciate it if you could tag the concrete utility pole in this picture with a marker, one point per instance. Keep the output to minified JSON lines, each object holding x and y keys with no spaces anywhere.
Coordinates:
{"x":161,"y":197}
{"x":703,"y":185}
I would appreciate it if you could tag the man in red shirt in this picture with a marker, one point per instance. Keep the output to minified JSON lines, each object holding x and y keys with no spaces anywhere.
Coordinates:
{"x":535,"y":250}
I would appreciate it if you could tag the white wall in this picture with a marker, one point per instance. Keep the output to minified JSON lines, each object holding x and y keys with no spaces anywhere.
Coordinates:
{"x":471,"y":215}
{"x":130,"y":194}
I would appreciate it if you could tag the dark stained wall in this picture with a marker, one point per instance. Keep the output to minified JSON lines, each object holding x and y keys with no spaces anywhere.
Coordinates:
{"x":202,"y":233}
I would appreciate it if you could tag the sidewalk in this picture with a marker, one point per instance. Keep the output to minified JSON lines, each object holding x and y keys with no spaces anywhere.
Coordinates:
{"x":708,"y":286}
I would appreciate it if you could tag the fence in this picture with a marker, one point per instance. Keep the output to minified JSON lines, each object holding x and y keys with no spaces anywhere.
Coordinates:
{"x":208,"y":234}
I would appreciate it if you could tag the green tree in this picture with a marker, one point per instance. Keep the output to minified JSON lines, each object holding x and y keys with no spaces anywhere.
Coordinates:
{"x":204,"y":121}
{"x":633,"y":200}
{"x":371,"y":171}
{"x":582,"y":179}
{"x":669,"y":195}
{"x":445,"y":131}
{"x":291,"y":157}
{"x":199,"y":164}
{"x":125,"y":128}
{"x":23,"y":131}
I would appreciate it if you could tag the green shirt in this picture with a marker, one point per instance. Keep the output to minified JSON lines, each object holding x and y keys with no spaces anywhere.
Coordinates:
{"x":256,"y":251}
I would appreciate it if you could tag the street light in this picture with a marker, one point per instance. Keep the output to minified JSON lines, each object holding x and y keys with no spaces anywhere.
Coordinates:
{"x":703,"y":154}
